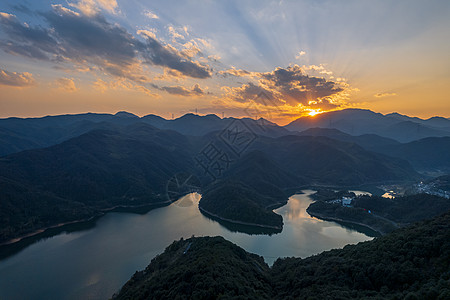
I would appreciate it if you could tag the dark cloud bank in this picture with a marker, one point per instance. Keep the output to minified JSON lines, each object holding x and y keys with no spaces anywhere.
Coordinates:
{"x":81,"y":39}
{"x":288,"y":85}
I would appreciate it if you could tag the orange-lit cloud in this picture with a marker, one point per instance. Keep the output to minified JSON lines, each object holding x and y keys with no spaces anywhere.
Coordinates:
{"x":149,"y":14}
{"x":131,"y":52}
{"x":237,"y":73}
{"x":178,"y":33}
{"x":289,"y":85}
{"x":300,"y":54}
{"x":92,"y":7}
{"x":86,"y":40}
{"x":320,"y":70}
{"x":285,"y":93}
{"x":66,"y":84}
{"x":190,"y":50}
{"x":146,"y":33}
{"x":16,"y":79}
{"x":182,"y":91}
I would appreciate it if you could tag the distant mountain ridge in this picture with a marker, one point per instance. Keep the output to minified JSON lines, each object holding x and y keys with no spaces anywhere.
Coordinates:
{"x":361,"y":121}
{"x":431,"y":154}
{"x":18,"y":134}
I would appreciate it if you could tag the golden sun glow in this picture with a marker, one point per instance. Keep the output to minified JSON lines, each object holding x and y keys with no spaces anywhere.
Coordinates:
{"x":314,"y":112}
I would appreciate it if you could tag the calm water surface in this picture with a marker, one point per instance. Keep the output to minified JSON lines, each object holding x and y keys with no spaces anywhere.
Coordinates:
{"x":95,"y":263}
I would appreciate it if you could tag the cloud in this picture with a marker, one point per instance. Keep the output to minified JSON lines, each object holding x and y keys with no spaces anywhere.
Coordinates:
{"x":122,"y":84}
{"x":147,"y":33}
{"x":300,"y":54}
{"x":178,"y":33}
{"x":190,"y":50}
{"x":72,"y":38}
{"x":381,"y":95}
{"x":92,"y":7}
{"x":16,"y":79}
{"x":252,"y":92}
{"x":34,"y":42}
{"x":236,"y":73}
{"x":6,"y":15}
{"x":214,"y":58}
{"x":202,"y":43}
{"x":166,"y":56}
{"x":83,"y":38}
{"x":320,"y":69}
{"x":289,"y":86}
{"x":182,"y":91}
{"x":66,"y":84}
{"x":294,"y":86}
{"x":90,"y":40}
{"x":150,"y":15}
{"x":195,"y":47}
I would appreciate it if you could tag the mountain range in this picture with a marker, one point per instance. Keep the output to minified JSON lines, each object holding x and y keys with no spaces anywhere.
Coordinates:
{"x":360,"y":121}
{"x":66,"y":168}
{"x":17,"y":134}
{"x":427,"y":155}
{"x":80,"y":177}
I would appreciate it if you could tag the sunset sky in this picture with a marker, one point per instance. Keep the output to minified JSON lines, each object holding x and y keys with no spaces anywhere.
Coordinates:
{"x":272,"y":59}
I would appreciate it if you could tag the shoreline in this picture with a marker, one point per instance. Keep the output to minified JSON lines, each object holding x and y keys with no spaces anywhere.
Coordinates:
{"x":99,"y":214}
{"x":38,"y":231}
{"x":327,"y":218}
{"x":239,"y":222}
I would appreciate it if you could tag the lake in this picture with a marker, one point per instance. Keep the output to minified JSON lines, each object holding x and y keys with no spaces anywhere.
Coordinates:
{"x":95,"y":262}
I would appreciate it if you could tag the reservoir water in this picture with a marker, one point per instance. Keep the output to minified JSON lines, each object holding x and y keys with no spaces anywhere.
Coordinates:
{"x":94,"y":263}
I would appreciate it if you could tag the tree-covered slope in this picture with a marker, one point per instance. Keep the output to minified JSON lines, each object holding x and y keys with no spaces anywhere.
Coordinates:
{"x":410,"y":263}
{"x":99,"y":168}
{"x":236,"y":202}
{"x":379,"y":213}
{"x":201,"y":268}
{"x":249,"y":191}
{"x":322,"y":160}
{"x":405,"y":209}
{"x":24,"y":209}
{"x":431,"y":153}
{"x":94,"y":171}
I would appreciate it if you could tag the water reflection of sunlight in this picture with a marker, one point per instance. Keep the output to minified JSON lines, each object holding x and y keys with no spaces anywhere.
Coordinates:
{"x":335,"y":232}
{"x":93,"y":279}
{"x":134,"y":240}
{"x":296,"y":207}
{"x":188,"y":200}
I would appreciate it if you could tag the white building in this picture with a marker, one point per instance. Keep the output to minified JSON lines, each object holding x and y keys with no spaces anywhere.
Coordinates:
{"x":347,"y":201}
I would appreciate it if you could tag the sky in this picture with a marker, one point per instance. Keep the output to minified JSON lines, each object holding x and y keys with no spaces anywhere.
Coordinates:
{"x":274,"y":59}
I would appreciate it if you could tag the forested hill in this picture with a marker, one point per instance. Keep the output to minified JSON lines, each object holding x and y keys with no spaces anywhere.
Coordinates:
{"x":410,"y":263}
{"x":97,"y":170}
{"x":379,"y":213}
{"x":132,"y":165}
